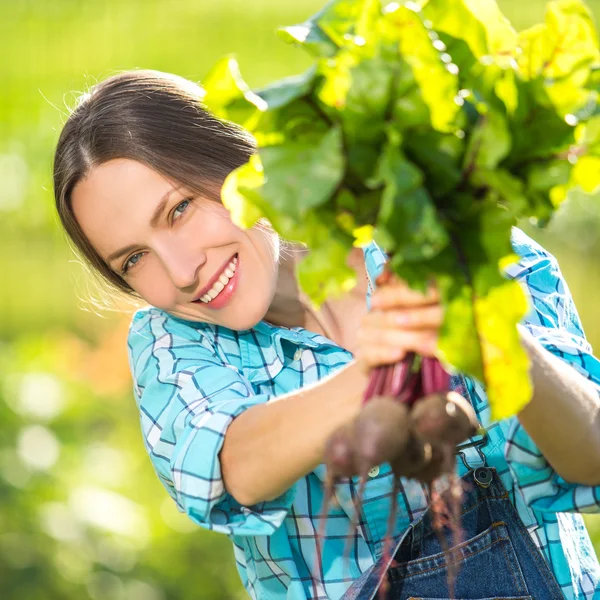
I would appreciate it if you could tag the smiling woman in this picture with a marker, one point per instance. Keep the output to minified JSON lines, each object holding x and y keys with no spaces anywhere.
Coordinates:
{"x":240,"y":383}
{"x":136,"y":117}
{"x":138,"y":191}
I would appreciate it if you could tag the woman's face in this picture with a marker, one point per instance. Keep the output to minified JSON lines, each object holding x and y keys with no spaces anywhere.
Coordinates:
{"x":169,"y":244}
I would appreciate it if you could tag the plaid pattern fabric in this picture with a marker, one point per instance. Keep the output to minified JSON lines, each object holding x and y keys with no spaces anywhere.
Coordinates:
{"x":191,"y":380}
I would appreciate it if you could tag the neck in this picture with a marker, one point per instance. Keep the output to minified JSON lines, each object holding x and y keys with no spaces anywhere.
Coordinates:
{"x":292,"y":308}
{"x":288,"y":308}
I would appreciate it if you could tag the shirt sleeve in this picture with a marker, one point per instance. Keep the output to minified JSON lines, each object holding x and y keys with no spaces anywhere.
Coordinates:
{"x":553,"y":320}
{"x":187,"y":398}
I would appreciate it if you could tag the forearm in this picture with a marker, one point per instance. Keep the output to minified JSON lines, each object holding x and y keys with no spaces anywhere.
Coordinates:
{"x":563,"y":417}
{"x":270,"y":446}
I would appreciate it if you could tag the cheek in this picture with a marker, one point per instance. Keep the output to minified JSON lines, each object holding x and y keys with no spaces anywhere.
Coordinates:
{"x":155,"y":287}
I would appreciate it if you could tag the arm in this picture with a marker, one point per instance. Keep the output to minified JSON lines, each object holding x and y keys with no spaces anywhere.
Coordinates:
{"x":201,"y":416}
{"x":553,"y":445}
{"x":270,"y":446}
{"x":563,"y":417}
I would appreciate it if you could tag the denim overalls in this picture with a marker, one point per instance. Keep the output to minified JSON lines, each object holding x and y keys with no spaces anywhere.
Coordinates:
{"x":498,"y":558}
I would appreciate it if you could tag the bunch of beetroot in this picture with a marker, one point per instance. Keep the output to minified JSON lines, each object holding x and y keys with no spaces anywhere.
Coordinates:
{"x":411,"y":420}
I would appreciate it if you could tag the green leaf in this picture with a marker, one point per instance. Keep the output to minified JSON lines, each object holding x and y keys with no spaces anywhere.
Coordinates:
{"x":310,"y":37}
{"x":240,"y":193}
{"x":593,"y":82}
{"x":587,"y":135}
{"x":505,"y":88}
{"x":300,"y":176}
{"x":586,"y":174}
{"x":324,"y":274}
{"x":298,"y":121}
{"x":283,"y":92}
{"x":408,"y":215}
{"x":367,"y":101}
{"x":363,"y":235}
{"x":506,"y":364}
{"x":564,"y":43}
{"x":440,"y":158}
{"x":542,"y":177}
{"x":506,"y":189}
{"x":538,"y":131}
{"x":480,"y":334}
{"x":339,"y":23}
{"x":420,"y":128}
{"x":480,"y":23}
{"x":336,"y":78}
{"x":436,"y":82}
{"x":458,"y":344}
{"x":489,"y":143}
{"x":229,"y":97}
{"x":349,"y":21}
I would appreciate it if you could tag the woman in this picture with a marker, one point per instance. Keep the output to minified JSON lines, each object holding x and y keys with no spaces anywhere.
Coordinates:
{"x":239,"y":382}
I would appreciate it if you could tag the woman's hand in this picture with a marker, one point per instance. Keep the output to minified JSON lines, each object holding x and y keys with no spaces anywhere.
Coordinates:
{"x":401,"y":320}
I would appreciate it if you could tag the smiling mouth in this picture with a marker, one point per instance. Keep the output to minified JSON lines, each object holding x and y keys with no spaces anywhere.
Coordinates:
{"x":219,"y":281}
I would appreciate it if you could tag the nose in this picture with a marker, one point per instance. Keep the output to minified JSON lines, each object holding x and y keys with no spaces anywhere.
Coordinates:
{"x":182,"y":265}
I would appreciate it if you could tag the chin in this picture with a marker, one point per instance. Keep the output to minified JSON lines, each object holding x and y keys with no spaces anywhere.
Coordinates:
{"x":246,"y":320}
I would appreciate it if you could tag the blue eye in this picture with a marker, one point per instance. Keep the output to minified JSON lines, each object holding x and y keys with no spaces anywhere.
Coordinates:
{"x":181,"y":208}
{"x":131,"y":261}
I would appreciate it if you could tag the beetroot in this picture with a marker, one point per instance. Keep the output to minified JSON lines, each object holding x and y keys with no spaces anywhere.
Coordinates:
{"x":411,"y":420}
{"x":381,"y":432}
{"x":443,"y":418}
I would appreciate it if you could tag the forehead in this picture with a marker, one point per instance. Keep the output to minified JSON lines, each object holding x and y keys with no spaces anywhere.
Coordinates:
{"x":115,"y":201}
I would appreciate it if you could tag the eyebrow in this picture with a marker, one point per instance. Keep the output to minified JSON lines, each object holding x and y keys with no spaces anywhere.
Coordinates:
{"x":156,"y":215}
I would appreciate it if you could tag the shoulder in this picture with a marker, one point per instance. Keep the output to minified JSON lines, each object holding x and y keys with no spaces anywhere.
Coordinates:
{"x":149,"y":324}
{"x":156,"y":335}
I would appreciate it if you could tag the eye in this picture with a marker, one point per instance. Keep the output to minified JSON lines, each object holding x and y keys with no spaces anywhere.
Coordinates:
{"x":131,"y":262}
{"x":181,"y":208}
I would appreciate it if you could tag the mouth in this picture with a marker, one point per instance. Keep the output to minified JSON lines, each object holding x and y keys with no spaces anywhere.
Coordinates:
{"x":221,"y":285}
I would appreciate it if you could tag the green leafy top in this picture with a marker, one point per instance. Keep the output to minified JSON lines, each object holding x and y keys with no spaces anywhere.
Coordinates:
{"x":431,"y":127}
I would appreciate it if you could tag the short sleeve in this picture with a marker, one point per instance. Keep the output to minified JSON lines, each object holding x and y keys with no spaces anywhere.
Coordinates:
{"x":187,"y":397}
{"x":554,"y":322}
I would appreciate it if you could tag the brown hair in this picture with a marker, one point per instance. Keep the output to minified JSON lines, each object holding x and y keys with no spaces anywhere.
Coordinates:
{"x":154,"y":118}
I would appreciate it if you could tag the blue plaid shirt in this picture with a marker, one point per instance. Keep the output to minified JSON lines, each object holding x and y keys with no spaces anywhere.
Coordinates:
{"x":191,"y":379}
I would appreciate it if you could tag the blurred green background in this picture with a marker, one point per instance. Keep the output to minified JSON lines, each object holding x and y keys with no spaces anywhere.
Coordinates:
{"x":81,"y":513}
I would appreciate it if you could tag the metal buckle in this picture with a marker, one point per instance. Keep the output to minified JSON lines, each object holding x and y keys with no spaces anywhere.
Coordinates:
{"x":477,"y":444}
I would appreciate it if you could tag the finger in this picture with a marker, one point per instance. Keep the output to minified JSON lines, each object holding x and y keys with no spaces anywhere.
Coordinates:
{"x":376,"y":356}
{"x":422,"y":317}
{"x":422,"y":341}
{"x":375,"y":340}
{"x":399,"y":295}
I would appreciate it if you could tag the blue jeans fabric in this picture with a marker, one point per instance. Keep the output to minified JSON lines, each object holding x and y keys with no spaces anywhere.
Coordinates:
{"x":497,"y":558}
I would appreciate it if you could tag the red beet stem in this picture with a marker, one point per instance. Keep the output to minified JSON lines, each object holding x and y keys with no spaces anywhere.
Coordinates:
{"x":389,"y":377}
{"x":400,"y":374}
{"x":374,"y":386}
{"x":443,"y":377}
{"x":427,"y":376}
{"x":411,"y":390}
{"x":434,"y":377}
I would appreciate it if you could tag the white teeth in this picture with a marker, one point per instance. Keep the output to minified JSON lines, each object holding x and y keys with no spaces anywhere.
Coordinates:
{"x":220,"y":284}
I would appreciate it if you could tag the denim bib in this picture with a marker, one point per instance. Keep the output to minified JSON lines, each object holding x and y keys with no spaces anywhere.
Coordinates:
{"x":498,"y":558}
